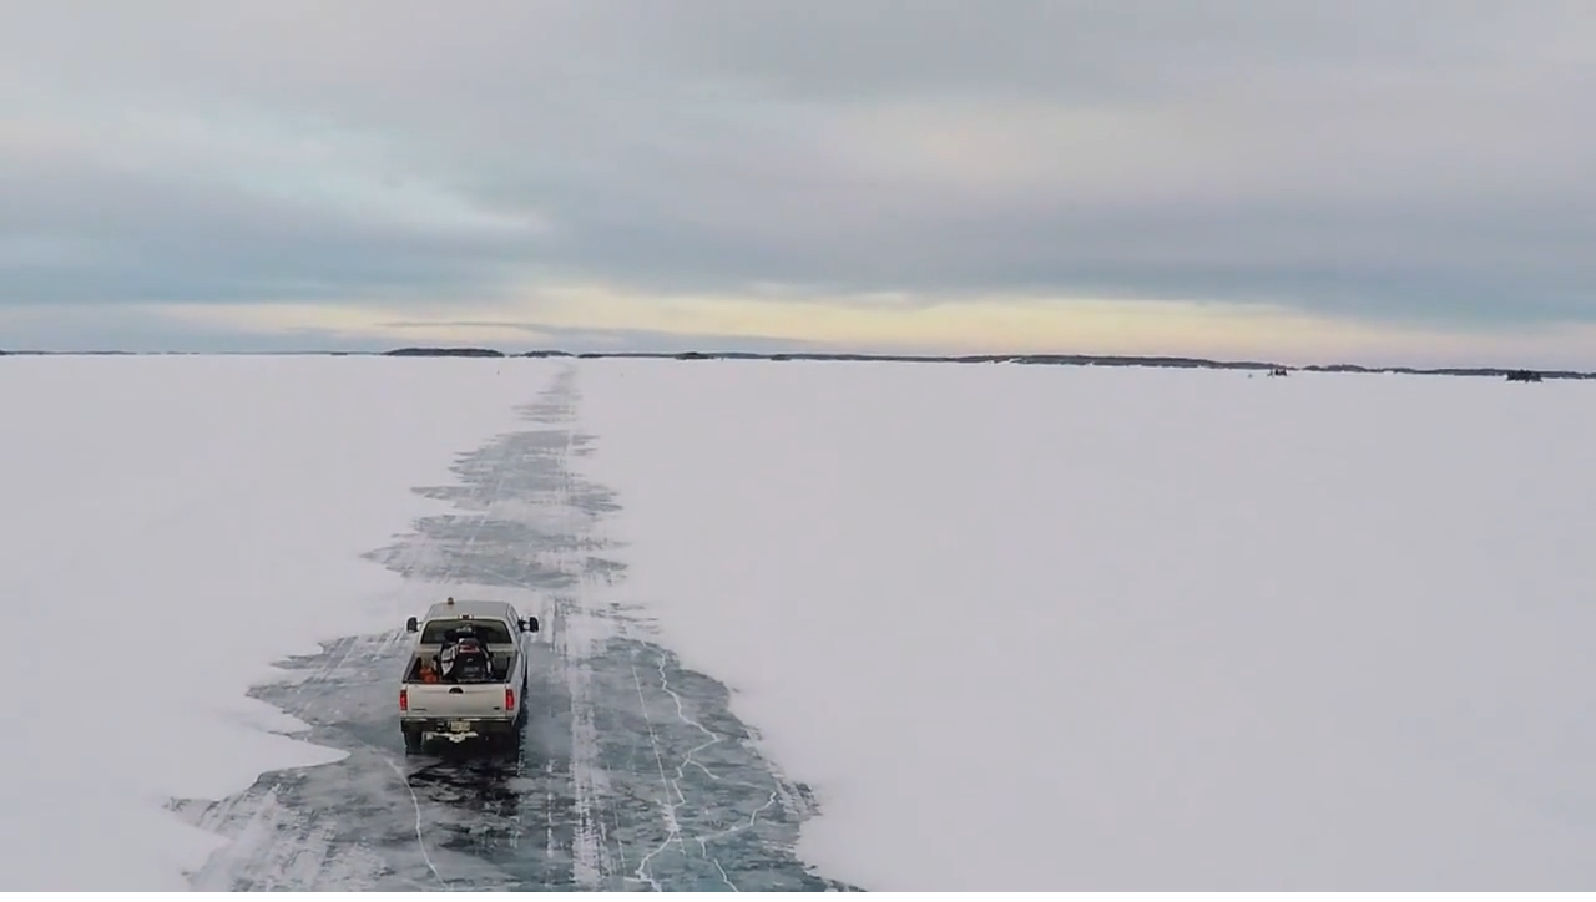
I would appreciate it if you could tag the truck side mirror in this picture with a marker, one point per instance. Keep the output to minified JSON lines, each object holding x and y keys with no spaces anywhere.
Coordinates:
{"x":530,"y":624}
{"x":411,"y":626}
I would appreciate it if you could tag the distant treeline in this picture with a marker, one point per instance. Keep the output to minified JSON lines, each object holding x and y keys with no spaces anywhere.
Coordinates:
{"x":444,"y":352}
{"x":1512,"y":375}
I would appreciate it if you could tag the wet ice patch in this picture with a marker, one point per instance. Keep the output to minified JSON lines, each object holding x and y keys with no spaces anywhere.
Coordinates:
{"x":633,"y":773}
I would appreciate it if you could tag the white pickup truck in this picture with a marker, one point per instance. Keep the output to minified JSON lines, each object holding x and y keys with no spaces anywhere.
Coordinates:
{"x":488,"y":704}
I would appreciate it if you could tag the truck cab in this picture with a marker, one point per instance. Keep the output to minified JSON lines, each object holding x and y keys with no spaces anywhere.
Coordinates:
{"x":486,"y":702}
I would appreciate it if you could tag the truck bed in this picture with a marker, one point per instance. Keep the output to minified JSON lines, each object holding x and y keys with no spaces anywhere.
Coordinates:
{"x":454,"y":701}
{"x":502,"y":664}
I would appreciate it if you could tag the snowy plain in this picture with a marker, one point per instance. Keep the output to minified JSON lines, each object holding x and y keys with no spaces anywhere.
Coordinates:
{"x":1077,"y":628}
{"x":219,"y":503}
{"x":1019,"y":627}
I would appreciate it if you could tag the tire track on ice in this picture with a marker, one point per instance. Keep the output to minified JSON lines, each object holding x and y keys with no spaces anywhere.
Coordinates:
{"x":634,"y":772}
{"x":277,"y":843}
{"x":682,"y":798}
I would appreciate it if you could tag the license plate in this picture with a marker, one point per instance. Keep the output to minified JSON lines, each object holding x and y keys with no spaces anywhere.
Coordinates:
{"x":460,"y":726}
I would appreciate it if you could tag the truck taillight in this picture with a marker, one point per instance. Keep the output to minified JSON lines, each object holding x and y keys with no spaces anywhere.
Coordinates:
{"x":404,"y":699}
{"x":509,"y":699}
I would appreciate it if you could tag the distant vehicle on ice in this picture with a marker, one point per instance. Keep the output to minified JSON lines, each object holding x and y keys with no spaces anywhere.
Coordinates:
{"x":466,"y":675}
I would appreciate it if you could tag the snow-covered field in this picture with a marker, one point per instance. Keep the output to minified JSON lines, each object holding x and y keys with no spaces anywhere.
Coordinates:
{"x":1018,"y":627}
{"x":1038,"y":628}
{"x":171,"y":526}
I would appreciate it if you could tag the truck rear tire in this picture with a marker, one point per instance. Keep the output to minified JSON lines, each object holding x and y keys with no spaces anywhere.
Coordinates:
{"x":412,"y":739}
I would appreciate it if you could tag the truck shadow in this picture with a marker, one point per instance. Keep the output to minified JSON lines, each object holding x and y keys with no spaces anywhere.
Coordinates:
{"x":489,"y":789}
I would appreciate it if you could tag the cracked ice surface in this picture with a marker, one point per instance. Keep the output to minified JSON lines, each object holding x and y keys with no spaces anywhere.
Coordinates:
{"x":634,"y":773}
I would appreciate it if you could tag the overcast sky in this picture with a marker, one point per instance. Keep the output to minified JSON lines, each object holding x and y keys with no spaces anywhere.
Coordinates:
{"x":1372,"y":180}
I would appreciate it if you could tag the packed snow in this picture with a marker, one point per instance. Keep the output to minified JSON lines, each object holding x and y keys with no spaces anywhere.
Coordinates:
{"x":1018,"y":627}
{"x":1080,"y":628}
{"x":188,"y":521}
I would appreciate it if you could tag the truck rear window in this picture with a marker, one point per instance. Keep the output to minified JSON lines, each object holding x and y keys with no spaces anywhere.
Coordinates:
{"x":489,"y":631}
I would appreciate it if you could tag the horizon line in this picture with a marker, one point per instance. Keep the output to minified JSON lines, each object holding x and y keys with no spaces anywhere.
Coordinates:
{"x":1045,"y":358}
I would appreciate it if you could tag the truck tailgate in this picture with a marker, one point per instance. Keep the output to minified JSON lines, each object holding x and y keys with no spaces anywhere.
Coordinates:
{"x":450,"y":701}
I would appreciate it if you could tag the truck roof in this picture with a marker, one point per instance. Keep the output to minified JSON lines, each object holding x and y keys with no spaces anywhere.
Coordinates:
{"x":447,"y":610}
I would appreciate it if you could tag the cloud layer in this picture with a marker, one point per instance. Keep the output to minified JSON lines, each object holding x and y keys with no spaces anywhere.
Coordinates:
{"x":1421,"y":164}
